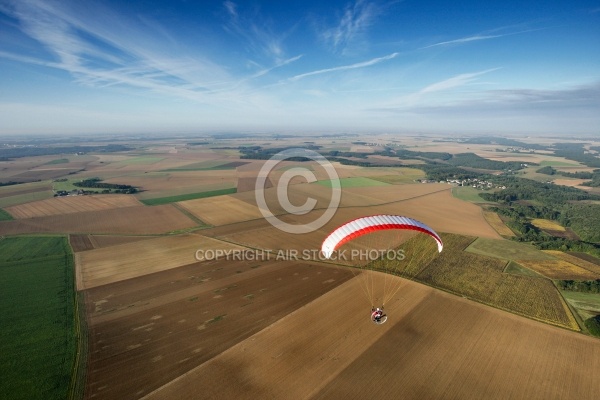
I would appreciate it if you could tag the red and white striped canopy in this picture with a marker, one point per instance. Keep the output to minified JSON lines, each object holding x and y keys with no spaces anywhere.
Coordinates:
{"x":365,"y":225}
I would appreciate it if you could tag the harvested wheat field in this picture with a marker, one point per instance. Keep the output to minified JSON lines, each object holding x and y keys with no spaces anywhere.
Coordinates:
{"x":130,"y":260}
{"x":434,"y":345}
{"x":559,"y":269}
{"x":138,"y":220}
{"x":496,"y":222}
{"x":221,"y":210}
{"x":148,"y":331}
{"x":72,"y":204}
{"x":587,"y":265}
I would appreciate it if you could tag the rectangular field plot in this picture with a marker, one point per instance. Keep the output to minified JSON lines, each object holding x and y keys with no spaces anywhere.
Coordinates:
{"x":496,"y":222}
{"x":112,"y":264}
{"x":507,"y":250}
{"x":559,"y":269}
{"x":37,"y":319}
{"x":157,"y":327}
{"x":137,"y":220}
{"x":72,"y":204}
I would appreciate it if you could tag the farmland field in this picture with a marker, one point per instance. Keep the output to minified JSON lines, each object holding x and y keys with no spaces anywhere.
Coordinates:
{"x":468,"y":193}
{"x":37,"y":321}
{"x":496,"y":222}
{"x":160,"y":326}
{"x":482,"y":278}
{"x":547,"y":224}
{"x":434,"y":345}
{"x":72,"y":204}
{"x":559,"y":269}
{"x":4,"y":216}
{"x":354,"y":182}
{"x":129,"y":260}
{"x":506,"y":250}
{"x":130,"y":220}
{"x":586,"y":304}
{"x":480,"y":320}
{"x":189,"y":196}
{"x":590,"y":266}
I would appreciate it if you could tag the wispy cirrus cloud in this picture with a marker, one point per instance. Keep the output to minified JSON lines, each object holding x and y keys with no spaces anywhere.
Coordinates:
{"x":477,"y":37}
{"x":455,"y":81}
{"x":351,"y":26}
{"x":255,"y":31}
{"x":363,"y":64}
{"x":133,"y":53}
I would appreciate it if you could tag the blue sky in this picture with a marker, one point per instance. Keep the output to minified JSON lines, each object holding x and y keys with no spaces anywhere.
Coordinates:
{"x":299,"y":66}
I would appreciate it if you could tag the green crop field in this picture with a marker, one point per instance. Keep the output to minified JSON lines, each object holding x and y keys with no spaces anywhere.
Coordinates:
{"x":37,"y":322}
{"x":468,"y":193}
{"x":506,"y":250}
{"x":141,"y":160}
{"x":207,"y":166}
{"x":24,"y":198}
{"x":358,"y":181}
{"x":517,"y":269}
{"x":557,"y":163}
{"x":190,"y":196}
{"x":58,"y":161}
{"x":4,"y":216}
{"x":587,"y":305}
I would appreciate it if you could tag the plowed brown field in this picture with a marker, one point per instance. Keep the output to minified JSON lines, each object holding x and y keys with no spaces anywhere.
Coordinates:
{"x":434,"y":345}
{"x":147,"y":331}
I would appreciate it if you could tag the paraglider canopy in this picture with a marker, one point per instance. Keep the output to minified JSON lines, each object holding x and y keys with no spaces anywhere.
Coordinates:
{"x":365,"y":225}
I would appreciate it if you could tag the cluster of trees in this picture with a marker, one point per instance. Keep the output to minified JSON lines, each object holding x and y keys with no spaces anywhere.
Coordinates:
{"x":527,"y":189}
{"x":503,"y":142}
{"x":576,"y":152}
{"x":579,"y":286}
{"x":524,"y":199}
{"x":98,"y":184}
{"x":594,"y":175}
{"x":404,"y":154}
{"x":472,"y":160}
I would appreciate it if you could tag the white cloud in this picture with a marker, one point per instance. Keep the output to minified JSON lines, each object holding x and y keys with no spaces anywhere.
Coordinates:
{"x":353,"y":23}
{"x":345,"y":67}
{"x":455,"y":81}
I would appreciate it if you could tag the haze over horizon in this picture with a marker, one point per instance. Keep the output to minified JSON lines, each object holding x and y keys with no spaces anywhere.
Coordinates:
{"x":84,"y":67}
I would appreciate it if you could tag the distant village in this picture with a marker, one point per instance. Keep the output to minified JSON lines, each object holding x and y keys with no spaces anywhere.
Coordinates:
{"x":473,"y":182}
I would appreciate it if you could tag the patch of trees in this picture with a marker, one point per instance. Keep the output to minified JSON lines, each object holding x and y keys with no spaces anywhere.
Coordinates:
{"x":527,"y":189}
{"x":442,"y":172}
{"x":547,"y":170}
{"x":584,"y":219}
{"x":593,"y":325}
{"x":594,"y":175}
{"x":576,"y":152}
{"x":404,"y":154}
{"x":31,"y":151}
{"x":503,"y":142}
{"x":472,"y":160}
{"x":259,"y":153}
{"x":9,"y":183}
{"x":98,"y":184}
{"x":579,"y":286}
{"x":524,"y":199}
